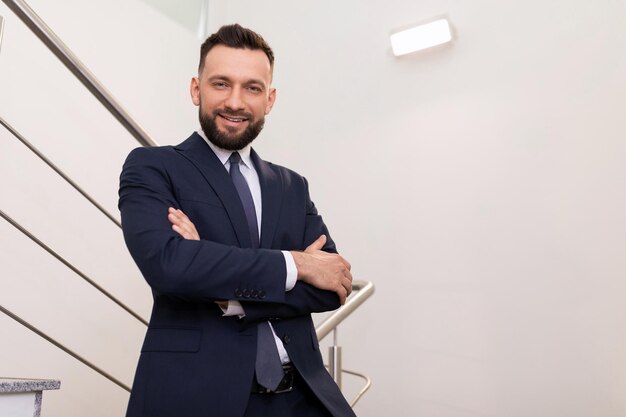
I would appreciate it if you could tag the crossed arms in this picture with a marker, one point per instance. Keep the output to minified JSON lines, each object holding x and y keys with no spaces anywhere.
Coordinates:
{"x":184,"y":266}
{"x":323,"y":270}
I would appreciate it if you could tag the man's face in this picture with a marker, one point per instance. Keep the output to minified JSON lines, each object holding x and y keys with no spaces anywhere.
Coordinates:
{"x":234,"y":94}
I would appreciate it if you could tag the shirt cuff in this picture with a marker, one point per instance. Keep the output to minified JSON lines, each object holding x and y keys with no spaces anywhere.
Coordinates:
{"x":234,"y":308}
{"x":292,"y":271}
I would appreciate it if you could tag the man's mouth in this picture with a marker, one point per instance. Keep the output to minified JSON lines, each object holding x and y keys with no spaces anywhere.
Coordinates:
{"x":233,"y":119}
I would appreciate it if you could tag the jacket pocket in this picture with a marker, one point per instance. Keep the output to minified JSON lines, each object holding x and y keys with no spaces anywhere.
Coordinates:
{"x":172,"y":339}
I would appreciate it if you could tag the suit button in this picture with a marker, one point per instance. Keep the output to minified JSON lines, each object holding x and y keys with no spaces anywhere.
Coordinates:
{"x":262,"y":295}
{"x":254,"y":293}
{"x":286,"y":339}
{"x":246,"y":293}
{"x":238,"y":292}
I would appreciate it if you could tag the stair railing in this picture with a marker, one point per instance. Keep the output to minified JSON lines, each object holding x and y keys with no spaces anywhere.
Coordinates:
{"x":362,"y":290}
{"x":1,"y":29}
{"x":76,"y":67}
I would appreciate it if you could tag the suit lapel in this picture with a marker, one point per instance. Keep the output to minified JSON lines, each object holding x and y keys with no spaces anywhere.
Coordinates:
{"x":271,"y":196}
{"x":196,"y":150}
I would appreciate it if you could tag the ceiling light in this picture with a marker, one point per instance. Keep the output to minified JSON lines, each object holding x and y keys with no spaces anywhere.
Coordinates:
{"x":421,"y":37}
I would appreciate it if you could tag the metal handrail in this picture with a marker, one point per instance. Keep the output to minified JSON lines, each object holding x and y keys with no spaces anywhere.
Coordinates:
{"x":58,"y":170}
{"x":64,"y":348}
{"x":69,"y":265}
{"x":362,"y":290}
{"x":80,"y":71}
{"x":368,"y":384}
{"x":1,"y":29}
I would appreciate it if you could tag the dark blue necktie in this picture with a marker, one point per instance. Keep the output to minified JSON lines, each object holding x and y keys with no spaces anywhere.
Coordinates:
{"x":246,"y":197}
{"x":269,"y":370}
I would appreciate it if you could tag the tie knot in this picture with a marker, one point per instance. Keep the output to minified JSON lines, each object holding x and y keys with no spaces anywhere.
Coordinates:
{"x":235,"y":158}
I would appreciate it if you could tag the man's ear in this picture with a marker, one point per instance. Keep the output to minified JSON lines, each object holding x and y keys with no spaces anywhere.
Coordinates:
{"x":194,"y":90}
{"x":270,"y":102}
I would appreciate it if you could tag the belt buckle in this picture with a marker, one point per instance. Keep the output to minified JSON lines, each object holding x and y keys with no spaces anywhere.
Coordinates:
{"x":286,"y":384}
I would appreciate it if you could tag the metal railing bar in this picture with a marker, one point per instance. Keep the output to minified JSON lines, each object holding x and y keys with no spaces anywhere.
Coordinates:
{"x":72,"y":267}
{"x":64,"y":348}
{"x":362,"y":290}
{"x":1,"y":30}
{"x":80,"y":71}
{"x":368,"y":385}
{"x":59,"y":171}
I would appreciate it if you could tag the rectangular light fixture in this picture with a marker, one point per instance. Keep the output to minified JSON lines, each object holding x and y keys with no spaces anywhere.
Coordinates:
{"x":421,"y":37}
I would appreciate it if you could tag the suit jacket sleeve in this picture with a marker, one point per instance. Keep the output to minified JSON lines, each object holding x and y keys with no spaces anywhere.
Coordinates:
{"x":198,"y":270}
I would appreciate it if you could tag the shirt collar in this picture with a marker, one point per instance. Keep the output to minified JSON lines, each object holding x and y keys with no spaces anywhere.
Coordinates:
{"x":223,"y":154}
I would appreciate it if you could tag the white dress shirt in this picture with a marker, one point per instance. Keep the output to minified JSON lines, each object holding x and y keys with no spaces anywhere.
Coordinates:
{"x":252,"y":178}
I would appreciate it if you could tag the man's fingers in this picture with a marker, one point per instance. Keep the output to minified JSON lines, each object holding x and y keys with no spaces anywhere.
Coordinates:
{"x":342,"y":296}
{"x":176,"y":221}
{"x":182,"y":215}
{"x":344,"y":287}
{"x":179,"y":231}
{"x":177,"y":214}
{"x":182,"y":225}
{"x":173,"y":216}
{"x":346,"y":263}
{"x":179,"y":218}
{"x":317,"y":245}
{"x":347,"y":284}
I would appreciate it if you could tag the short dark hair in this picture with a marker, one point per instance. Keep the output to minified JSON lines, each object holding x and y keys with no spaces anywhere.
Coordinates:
{"x":236,"y":36}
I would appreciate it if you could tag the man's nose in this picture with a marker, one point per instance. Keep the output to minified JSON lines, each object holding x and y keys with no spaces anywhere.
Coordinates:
{"x":234,"y":101}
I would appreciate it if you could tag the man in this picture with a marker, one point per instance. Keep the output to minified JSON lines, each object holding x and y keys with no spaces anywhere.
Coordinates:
{"x":236,"y":255}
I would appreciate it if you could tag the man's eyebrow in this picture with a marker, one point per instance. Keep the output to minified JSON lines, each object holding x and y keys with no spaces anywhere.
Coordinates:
{"x":226,"y":78}
{"x":255,"y":81}
{"x":218,"y":77}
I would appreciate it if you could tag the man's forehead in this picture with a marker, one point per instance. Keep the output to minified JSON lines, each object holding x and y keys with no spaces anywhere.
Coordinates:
{"x":223,"y":59}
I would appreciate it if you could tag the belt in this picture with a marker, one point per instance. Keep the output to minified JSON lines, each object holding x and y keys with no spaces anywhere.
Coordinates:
{"x":285,"y":385}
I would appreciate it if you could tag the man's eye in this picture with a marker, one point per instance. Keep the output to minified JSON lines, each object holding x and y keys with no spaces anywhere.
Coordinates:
{"x":219,"y":84}
{"x":255,"y":89}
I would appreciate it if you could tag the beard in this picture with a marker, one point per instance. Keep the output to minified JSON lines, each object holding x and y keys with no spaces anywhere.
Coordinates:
{"x":227,"y":140}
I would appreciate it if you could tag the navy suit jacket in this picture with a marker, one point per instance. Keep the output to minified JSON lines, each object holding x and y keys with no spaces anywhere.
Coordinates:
{"x":194,"y":361}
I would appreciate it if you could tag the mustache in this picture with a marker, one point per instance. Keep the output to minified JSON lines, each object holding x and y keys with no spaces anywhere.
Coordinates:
{"x":230,"y":113}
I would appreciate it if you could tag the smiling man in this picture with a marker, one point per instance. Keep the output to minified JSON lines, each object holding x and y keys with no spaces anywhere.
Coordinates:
{"x":236,"y":255}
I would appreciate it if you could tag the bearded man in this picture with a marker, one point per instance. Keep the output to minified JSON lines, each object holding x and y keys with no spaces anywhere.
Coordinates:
{"x":236,"y":254}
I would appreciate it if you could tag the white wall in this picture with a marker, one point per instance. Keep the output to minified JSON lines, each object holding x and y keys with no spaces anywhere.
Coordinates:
{"x":479,"y":185}
{"x":44,"y":102}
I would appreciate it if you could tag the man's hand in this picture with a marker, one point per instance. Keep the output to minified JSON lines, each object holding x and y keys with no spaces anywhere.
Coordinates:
{"x":182,"y":225}
{"x":323,"y":270}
